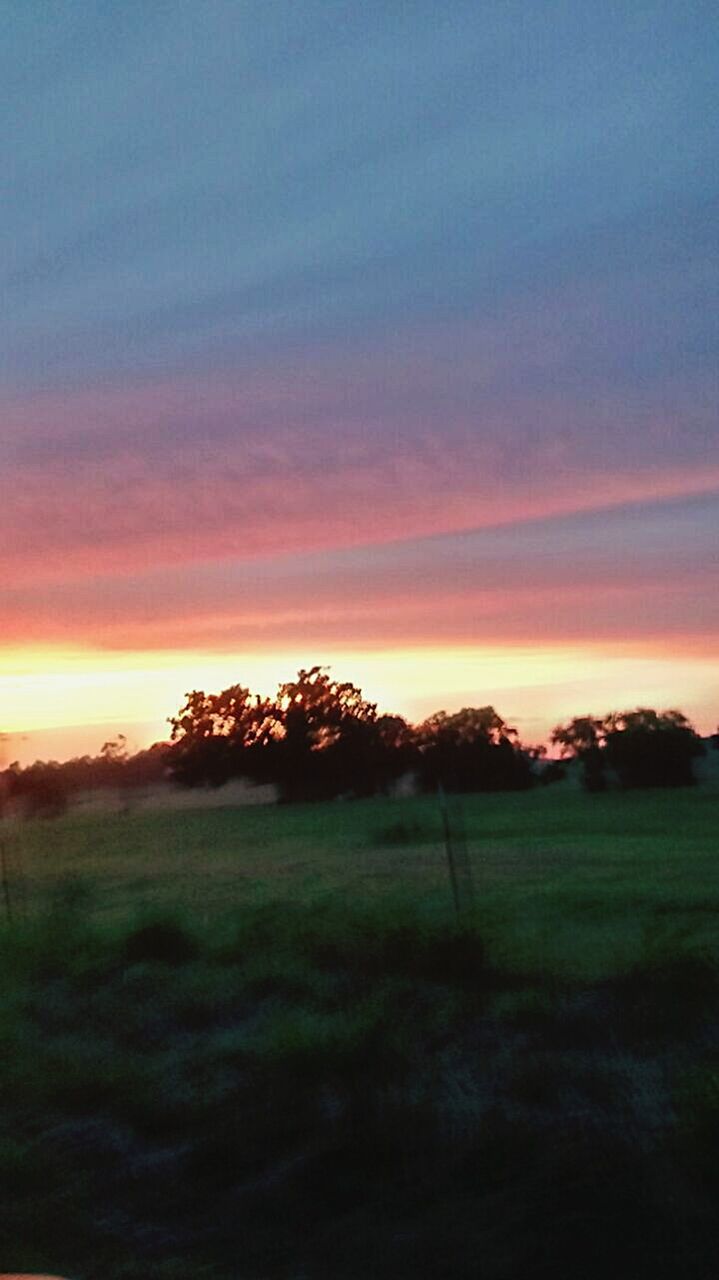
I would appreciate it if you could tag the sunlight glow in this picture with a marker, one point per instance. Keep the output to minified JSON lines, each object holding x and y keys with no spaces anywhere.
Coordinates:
{"x":534,"y":688}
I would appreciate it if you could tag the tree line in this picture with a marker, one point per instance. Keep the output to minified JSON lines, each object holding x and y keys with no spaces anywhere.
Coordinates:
{"x":320,"y":738}
{"x":43,"y":789}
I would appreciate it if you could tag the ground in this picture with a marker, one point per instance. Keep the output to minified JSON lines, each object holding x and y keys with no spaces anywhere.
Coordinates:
{"x":562,"y":878}
{"x":259,"y":1042}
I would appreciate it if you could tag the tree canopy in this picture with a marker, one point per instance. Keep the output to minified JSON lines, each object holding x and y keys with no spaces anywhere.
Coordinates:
{"x":319,"y":738}
{"x":639,"y":748}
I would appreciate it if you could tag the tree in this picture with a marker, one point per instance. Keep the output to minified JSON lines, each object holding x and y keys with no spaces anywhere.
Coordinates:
{"x":315,"y":708}
{"x":216,"y":737}
{"x":646,"y":748}
{"x":40,"y":790}
{"x":3,"y":779}
{"x":583,"y":738}
{"x":642,"y":748}
{"x":472,"y":750}
{"x":319,"y":737}
{"x":115,"y":751}
{"x":327,"y":733}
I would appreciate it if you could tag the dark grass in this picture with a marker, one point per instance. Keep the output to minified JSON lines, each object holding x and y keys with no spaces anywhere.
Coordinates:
{"x":260,"y":1044}
{"x":350,"y":1091}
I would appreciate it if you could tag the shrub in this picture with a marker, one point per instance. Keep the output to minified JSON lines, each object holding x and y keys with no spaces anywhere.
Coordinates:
{"x":159,"y":942}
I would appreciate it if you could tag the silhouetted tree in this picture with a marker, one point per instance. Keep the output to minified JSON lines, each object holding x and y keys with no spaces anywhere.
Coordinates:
{"x":327,"y":737}
{"x":44,"y":788}
{"x":641,"y":748}
{"x":646,"y":748}
{"x":583,"y":738}
{"x":4,"y":789}
{"x":550,"y":772}
{"x":220,"y":736}
{"x":39,"y":791}
{"x":396,"y":748}
{"x":472,"y":750}
{"x":318,"y":738}
{"x":544,"y":771}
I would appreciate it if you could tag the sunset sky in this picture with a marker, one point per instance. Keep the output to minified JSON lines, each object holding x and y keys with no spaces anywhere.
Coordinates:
{"x":376,"y":334}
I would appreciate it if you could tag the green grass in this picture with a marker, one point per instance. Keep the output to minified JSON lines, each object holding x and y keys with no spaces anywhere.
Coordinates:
{"x":566,"y":881}
{"x":257,"y":1045}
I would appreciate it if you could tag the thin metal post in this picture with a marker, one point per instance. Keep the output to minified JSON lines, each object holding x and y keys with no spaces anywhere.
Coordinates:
{"x":448,"y":845}
{"x":5,"y":880}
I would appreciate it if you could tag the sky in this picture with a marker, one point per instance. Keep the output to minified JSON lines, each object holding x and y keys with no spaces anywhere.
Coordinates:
{"x":381,"y":335}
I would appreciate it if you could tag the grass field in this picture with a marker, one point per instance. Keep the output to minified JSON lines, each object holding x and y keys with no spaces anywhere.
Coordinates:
{"x":562,"y":880}
{"x":257,"y":1043}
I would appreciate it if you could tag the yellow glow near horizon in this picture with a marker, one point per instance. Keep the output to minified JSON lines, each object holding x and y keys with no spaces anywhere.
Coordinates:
{"x":52,"y":689}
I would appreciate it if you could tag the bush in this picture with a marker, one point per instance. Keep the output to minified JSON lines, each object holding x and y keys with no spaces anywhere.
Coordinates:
{"x":159,"y":942}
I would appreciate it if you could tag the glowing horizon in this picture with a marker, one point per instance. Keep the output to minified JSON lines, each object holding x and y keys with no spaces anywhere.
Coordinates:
{"x":533,"y":688}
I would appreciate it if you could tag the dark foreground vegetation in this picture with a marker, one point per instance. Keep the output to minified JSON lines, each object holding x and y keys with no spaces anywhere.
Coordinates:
{"x":322,"y":1090}
{"x":319,"y":739}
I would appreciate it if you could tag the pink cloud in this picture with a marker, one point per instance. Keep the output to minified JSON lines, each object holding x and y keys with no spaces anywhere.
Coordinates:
{"x":459,"y":427}
{"x":673,"y":612}
{"x":59,"y":521}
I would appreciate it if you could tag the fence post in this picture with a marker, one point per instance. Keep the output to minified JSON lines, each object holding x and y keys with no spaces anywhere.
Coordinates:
{"x":448,"y":845}
{"x":5,"y":880}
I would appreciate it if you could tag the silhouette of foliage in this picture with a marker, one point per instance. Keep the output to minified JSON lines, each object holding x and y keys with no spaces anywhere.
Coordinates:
{"x":39,"y":792}
{"x":640,"y":748}
{"x":472,"y":750}
{"x":320,"y":738}
{"x":44,"y":788}
{"x":583,"y":738}
{"x":221,"y":736}
{"x":317,"y":739}
{"x":650,"y":749}
{"x":327,"y":737}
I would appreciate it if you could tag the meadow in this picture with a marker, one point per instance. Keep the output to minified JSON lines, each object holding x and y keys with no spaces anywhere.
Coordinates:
{"x":260,"y":1042}
{"x":563,"y":880}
